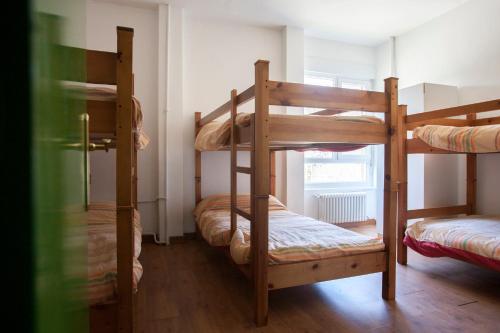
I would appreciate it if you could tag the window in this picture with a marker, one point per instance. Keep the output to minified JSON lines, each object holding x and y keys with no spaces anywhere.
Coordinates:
{"x":334,"y":169}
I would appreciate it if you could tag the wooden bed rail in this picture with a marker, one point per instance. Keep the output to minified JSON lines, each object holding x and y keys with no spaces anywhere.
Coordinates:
{"x":436,"y":212}
{"x":454,"y":111}
{"x":242,"y":98}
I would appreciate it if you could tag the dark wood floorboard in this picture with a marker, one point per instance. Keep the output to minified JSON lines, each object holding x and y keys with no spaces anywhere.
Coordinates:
{"x":190,"y":287}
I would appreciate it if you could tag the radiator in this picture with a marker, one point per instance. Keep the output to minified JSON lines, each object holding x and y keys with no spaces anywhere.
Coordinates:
{"x":342,"y":207}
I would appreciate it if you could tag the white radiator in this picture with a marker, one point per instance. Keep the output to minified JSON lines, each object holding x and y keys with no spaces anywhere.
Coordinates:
{"x":342,"y":207}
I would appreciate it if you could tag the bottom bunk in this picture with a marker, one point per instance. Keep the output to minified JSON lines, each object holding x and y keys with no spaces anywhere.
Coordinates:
{"x":302,"y":250}
{"x":474,"y":239}
{"x":102,"y":264}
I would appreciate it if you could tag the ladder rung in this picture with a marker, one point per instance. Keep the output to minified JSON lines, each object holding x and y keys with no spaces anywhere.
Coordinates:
{"x":244,"y":170}
{"x":243,"y":213}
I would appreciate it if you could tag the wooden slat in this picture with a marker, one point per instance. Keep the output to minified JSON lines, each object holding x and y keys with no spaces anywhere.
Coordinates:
{"x":197,"y":161}
{"x":272,"y":173}
{"x":242,"y":213}
{"x":417,"y":146}
{"x":308,"y":129}
{"x":246,"y":170}
{"x":234,"y":161}
{"x":403,"y":185}
{"x":455,"y":111}
{"x":302,"y":95}
{"x":102,"y":116}
{"x":471,"y":173}
{"x":124,"y":181}
{"x":220,"y":111}
{"x":442,"y":121}
{"x":436,"y":212}
{"x":391,"y":175}
{"x":297,"y":274}
{"x":244,"y":97}
{"x":487,"y":121}
{"x":101,"y":67}
{"x":260,"y":192}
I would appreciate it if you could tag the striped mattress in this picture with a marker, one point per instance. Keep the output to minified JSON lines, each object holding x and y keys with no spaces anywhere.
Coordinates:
{"x":102,"y":265}
{"x":478,"y":139}
{"x":292,"y":237}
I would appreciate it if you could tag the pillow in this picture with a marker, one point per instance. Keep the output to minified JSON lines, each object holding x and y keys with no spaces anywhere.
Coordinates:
{"x":223,"y":202}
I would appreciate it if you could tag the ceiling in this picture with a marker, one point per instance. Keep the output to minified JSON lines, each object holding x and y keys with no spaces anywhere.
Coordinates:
{"x":366,"y":22}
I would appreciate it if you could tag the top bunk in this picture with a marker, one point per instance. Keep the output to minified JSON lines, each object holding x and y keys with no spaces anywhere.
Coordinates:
{"x":434,"y":132}
{"x":327,"y":129}
{"x":107,"y":89}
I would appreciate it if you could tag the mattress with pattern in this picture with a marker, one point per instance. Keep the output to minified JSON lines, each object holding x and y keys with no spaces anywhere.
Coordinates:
{"x":292,"y":237}
{"x":475,"y":239}
{"x":478,"y":139}
{"x":102,"y":264}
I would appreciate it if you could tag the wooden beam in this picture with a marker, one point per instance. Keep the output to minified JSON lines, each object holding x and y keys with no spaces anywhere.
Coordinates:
{"x":417,"y":146}
{"x":390,"y":188}
{"x":197,"y":160}
{"x":242,"y":213}
{"x":220,"y":111}
{"x":403,"y":185}
{"x":272,"y":173}
{"x":436,"y":212}
{"x":288,"y":128}
{"x":441,"y":121}
{"x":234,"y":161}
{"x":487,"y":121}
{"x":102,"y":117}
{"x":455,"y":111}
{"x":302,"y":95}
{"x":124,"y":181}
{"x":300,"y":273}
{"x":101,"y":67}
{"x":246,"y":170}
{"x":260,"y":192}
{"x":471,"y":176}
{"x":244,"y":97}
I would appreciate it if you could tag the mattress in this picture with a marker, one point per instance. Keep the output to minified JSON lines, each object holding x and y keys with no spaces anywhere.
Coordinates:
{"x":475,"y":239}
{"x":216,"y":134}
{"x":478,"y":139}
{"x":109,"y":94}
{"x":102,"y":264}
{"x":292,"y":237}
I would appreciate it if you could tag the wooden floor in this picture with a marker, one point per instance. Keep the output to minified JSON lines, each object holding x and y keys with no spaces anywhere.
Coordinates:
{"x":190,"y":287}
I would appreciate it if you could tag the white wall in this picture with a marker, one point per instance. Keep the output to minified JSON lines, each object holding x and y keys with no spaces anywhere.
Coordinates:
{"x":460,"y":48}
{"x":219,"y":56}
{"x":102,"y":19}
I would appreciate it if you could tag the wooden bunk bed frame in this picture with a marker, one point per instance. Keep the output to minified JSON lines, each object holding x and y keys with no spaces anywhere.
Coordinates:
{"x":110,"y":126}
{"x":264,"y":136}
{"x":417,"y":146}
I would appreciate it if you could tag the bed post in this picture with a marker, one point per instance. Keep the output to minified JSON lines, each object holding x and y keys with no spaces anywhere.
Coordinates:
{"x":272,"y":173}
{"x":260,"y":191}
{"x":402,"y":253}
{"x":197,"y":160}
{"x":234,"y":160}
{"x":390,"y":188}
{"x":124,"y":180}
{"x":471,"y":176}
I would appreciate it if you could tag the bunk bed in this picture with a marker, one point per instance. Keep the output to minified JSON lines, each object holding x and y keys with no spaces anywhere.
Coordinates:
{"x":272,"y":246}
{"x":454,"y":231}
{"x":113,"y":121}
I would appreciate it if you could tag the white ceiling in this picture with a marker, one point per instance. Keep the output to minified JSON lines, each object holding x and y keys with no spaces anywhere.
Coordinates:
{"x":367,"y":22}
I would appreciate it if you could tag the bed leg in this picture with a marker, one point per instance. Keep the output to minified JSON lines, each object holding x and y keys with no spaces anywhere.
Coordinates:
{"x":390,"y":189}
{"x":402,"y":252}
